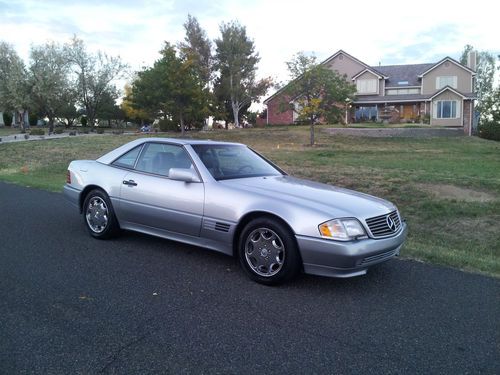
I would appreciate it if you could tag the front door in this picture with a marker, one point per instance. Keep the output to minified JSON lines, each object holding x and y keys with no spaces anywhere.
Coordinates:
{"x":149,"y":198}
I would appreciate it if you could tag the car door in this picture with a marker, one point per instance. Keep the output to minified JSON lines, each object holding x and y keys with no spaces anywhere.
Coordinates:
{"x":148,"y":198}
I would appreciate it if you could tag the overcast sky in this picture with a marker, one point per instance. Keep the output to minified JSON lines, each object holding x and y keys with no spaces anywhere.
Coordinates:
{"x":386,"y":32}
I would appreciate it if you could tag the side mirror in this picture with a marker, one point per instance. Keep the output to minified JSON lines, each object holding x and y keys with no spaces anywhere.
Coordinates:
{"x":182,"y":174}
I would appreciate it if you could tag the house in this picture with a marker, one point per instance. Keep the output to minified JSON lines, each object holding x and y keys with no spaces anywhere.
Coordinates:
{"x":440,"y":93}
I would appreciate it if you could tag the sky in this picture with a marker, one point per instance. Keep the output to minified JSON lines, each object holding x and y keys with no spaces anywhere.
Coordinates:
{"x":375,"y":32}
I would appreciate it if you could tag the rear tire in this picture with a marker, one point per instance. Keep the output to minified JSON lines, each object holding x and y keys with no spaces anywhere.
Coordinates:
{"x":268,"y":252}
{"x":99,"y":216}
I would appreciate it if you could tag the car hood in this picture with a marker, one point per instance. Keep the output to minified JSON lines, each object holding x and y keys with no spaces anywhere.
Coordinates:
{"x":334,"y":201}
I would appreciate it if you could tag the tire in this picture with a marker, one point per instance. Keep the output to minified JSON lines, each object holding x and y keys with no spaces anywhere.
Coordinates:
{"x":268,"y":252}
{"x":99,"y":216}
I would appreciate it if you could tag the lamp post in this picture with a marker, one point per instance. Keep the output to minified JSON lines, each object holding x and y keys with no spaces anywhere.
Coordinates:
{"x":347,"y":106}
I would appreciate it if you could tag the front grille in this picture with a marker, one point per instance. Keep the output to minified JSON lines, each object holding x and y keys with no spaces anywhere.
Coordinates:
{"x":380,"y":225}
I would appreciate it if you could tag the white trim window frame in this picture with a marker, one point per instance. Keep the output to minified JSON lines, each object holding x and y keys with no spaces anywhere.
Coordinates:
{"x":446,"y":109}
{"x":442,"y":81}
{"x":367,"y":86}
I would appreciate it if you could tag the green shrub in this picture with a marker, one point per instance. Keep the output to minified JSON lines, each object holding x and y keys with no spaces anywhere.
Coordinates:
{"x":58,"y":131}
{"x":7,"y":119}
{"x":35,"y":131}
{"x":100,"y":131}
{"x":490,"y":130}
{"x":167,"y":125}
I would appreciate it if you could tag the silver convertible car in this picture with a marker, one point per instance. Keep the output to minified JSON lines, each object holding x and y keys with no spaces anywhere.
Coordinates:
{"x":226,"y":197}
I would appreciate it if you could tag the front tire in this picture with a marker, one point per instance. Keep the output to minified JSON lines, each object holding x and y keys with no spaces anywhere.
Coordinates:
{"x":268,"y":252}
{"x":99,"y":216}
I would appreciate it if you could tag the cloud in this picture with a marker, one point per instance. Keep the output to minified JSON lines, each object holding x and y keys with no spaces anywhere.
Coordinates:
{"x":389,"y":32}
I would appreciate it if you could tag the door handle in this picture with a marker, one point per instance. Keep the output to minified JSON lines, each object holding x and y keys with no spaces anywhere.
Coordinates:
{"x":130,"y":183}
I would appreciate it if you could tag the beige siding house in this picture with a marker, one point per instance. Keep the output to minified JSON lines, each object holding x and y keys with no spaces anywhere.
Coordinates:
{"x":441,"y":92}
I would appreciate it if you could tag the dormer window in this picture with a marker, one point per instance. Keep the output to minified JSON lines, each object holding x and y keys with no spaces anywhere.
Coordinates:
{"x":366,"y":86}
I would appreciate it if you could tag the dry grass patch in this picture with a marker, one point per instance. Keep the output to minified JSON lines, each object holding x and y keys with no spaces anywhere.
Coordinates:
{"x":452,"y":192}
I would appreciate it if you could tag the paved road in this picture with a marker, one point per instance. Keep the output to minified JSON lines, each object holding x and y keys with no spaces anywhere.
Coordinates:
{"x":70,"y":304}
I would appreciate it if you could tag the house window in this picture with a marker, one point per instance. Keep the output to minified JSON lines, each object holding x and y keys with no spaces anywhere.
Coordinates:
{"x":443,"y":81}
{"x":366,"y":86}
{"x":446,"y":109}
{"x":402,"y":91}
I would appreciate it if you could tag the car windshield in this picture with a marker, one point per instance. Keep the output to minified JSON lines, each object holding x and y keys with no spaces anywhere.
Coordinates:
{"x":234,"y":161}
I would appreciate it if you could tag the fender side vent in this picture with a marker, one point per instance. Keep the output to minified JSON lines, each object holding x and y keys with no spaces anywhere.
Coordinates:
{"x":222,"y":227}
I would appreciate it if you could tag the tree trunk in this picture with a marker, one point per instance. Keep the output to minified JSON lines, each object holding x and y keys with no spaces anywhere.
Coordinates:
{"x":236,"y":113}
{"x":51,"y":125}
{"x":182,"y":123}
{"x":312,"y":130}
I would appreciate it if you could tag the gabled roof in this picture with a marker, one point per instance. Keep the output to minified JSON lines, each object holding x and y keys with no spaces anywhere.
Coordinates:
{"x":373,"y":71}
{"x":449,"y":88}
{"x":449,"y":59}
{"x":325,"y":62}
{"x":403,"y":73}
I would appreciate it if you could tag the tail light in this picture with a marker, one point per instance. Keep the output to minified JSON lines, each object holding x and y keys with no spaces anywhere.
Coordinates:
{"x":68,"y":177}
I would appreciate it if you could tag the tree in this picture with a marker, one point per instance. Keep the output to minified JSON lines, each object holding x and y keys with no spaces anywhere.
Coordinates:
{"x":171,"y":89}
{"x":51,"y":90}
{"x":317,"y":92}
{"x":109,"y":110}
{"x":485,"y":72}
{"x":198,"y":48}
{"x":236,"y":62}
{"x":14,"y":86}
{"x":131,"y":112}
{"x":95,"y":74}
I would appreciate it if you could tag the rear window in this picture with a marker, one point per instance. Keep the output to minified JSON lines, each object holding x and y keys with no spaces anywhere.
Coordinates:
{"x":128,"y":159}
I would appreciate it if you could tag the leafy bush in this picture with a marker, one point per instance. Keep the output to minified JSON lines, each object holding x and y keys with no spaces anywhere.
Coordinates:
{"x":100,"y":131}
{"x":426,"y":119}
{"x":58,"y":131}
{"x":35,"y":131}
{"x":167,"y":125}
{"x":490,"y":130}
{"x":7,"y":119}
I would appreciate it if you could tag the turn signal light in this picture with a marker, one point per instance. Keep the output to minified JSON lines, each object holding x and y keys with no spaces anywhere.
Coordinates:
{"x":68,"y":177}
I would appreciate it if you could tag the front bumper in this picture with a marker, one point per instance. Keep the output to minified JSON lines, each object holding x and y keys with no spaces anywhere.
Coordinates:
{"x":72,"y":195}
{"x":346,"y":259}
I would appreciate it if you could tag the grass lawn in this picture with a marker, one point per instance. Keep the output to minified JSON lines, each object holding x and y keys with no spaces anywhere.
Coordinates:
{"x":448,"y":189}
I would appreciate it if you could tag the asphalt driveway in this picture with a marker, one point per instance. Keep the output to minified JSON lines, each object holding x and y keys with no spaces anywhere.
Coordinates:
{"x":70,"y":304}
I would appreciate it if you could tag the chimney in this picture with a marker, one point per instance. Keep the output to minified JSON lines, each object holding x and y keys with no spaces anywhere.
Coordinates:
{"x":472,"y":60}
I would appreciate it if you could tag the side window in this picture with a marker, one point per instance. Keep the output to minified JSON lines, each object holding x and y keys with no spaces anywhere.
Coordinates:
{"x":128,"y":160}
{"x":159,"y":158}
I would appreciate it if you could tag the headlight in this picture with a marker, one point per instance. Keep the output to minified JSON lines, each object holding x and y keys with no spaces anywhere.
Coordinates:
{"x":342,"y":229}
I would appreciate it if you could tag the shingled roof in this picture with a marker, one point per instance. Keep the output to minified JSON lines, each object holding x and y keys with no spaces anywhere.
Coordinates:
{"x":403,"y":73}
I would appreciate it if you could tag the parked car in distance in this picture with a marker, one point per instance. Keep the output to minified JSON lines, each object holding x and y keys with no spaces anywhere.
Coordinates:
{"x":226,"y":197}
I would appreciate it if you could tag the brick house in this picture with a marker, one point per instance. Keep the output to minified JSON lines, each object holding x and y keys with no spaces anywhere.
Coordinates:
{"x":441,"y":93}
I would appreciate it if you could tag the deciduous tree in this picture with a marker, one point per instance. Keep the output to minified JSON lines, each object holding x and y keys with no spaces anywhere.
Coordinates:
{"x":171,"y":89}
{"x":315,"y":92}
{"x":236,"y":61}
{"x":198,"y":48}
{"x":14,"y":86}
{"x":95,"y":76}
{"x":485,"y":73}
{"x":51,"y":89}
